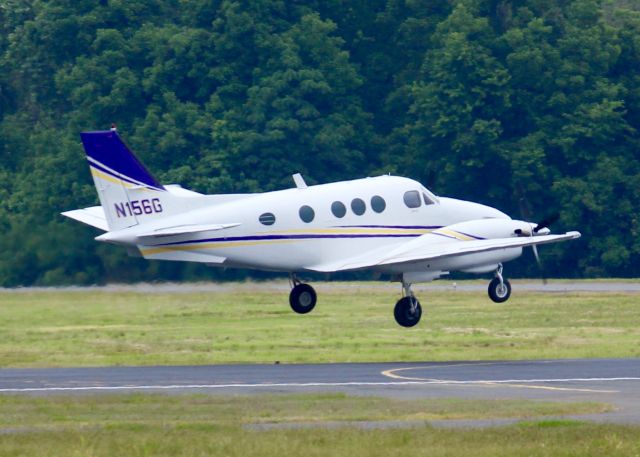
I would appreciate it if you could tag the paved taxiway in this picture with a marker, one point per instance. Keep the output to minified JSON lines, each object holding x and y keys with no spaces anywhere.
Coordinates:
{"x":614,"y":381}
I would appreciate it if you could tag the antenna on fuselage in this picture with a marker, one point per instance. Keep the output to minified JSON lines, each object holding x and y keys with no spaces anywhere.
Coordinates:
{"x":299,"y":180}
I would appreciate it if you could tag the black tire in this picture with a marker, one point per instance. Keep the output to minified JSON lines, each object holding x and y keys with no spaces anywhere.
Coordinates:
{"x":499,"y":293}
{"x":302,"y":298}
{"x":402,"y":312}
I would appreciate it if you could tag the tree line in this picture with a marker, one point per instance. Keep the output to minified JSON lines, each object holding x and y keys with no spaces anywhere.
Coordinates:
{"x":531,"y":106}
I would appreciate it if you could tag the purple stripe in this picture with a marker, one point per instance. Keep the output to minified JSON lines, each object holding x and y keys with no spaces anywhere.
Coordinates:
{"x":408,"y":227}
{"x":471,"y":236}
{"x":282,"y":237}
{"x":454,"y":238}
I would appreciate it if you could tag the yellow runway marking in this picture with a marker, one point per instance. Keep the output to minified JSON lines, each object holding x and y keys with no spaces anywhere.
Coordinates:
{"x":566,"y":389}
{"x":490,"y":383}
{"x":391,"y":373}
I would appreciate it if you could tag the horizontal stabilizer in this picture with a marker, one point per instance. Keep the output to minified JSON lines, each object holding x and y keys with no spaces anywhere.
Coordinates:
{"x":93,"y":216}
{"x":178,"y":190}
{"x":183,"y":256}
{"x":186,"y":229}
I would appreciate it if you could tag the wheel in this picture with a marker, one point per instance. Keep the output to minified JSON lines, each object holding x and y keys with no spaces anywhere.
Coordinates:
{"x":404,"y":314}
{"x":302,"y":298}
{"x":499,"y":293}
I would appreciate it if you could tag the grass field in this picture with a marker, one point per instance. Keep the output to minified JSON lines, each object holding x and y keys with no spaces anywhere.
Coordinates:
{"x":199,"y":425}
{"x":253,"y":323}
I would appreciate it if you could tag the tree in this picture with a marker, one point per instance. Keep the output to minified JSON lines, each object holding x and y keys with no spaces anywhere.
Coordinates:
{"x":300,"y":113}
{"x":457,"y":105}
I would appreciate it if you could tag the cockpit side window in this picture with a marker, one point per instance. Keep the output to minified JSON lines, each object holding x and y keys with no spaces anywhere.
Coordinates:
{"x":412,"y":199}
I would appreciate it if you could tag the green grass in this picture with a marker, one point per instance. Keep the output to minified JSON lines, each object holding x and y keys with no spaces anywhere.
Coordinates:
{"x":195,"y":425}
{"x":61,"y":411}
{"x":582,"y":440}
{"x":251,"y":323}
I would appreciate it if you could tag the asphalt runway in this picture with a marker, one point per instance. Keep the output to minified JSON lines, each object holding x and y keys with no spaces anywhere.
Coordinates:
{"x":613,"y":381}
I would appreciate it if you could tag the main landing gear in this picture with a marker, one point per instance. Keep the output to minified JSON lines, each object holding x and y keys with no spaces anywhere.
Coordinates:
{"x":499,"y":287}
{"x":302,"y":297}
{"x":408,"y":310}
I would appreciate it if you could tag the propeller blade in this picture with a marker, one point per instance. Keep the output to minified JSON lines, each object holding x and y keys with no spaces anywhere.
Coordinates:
{"x":547,"y":222}
{"x":537,"y":256}
{"x":535,"y":253}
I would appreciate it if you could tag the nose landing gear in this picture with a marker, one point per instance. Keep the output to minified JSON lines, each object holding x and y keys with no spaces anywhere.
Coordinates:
{"x":302,"y":297}
{"x":408,"y":310}
{"x":499,"y":287}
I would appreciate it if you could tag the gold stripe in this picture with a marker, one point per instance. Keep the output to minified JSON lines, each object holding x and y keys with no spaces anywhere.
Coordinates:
{"x":160,"y":250}
{"x":456,"y":235}
{"x":197,"y":247}
{"x":97,"y":173}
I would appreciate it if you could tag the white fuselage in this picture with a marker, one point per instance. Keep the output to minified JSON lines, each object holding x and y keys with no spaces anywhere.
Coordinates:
{"x":282,"y":241}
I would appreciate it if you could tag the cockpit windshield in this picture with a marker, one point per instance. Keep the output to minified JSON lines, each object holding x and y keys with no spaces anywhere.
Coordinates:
{"x":429,"y":198}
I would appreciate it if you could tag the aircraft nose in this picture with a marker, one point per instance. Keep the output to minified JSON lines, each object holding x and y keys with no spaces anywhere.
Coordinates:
{"x":472,"y":210}
{"x":494,"y":213}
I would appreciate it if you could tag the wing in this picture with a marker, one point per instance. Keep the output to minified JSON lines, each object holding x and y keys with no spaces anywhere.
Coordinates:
{"x":431,"y":246}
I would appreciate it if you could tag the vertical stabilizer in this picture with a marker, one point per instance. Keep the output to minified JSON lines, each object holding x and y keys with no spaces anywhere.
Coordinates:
{"x":129,"y":194}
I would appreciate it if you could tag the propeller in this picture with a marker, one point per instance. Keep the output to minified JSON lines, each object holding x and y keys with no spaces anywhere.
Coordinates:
{"x":544,"y":223}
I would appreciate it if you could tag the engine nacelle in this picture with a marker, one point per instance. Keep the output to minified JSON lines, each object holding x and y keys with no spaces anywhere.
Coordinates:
{"x":484,"y":229}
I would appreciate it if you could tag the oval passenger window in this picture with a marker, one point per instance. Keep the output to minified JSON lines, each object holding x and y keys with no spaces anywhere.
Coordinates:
{"x":306,"y":213}
{"x":358,"y":206}
{"x":338,"y":209}
{"x":267,"y":219}
{"x":378,"y":204}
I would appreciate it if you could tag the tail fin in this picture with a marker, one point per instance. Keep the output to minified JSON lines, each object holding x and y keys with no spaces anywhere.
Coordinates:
{"x":129,"y":194}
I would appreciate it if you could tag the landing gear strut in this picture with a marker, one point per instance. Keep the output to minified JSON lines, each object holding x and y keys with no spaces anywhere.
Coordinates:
{"x":499,"y":287}
{"x":408,"y":310}
{"x":302,"y":297}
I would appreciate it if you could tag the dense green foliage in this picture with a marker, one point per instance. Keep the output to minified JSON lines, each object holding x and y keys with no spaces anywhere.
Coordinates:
{"x":531,"y":106}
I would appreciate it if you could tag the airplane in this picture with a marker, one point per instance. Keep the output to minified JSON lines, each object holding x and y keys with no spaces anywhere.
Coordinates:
{"x":386,"y":224}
